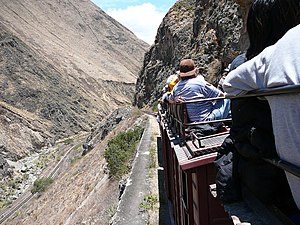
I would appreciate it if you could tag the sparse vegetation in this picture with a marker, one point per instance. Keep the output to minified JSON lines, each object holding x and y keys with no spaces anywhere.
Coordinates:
{"x":153,"y":155}
{"x":149,"y":202}
{"x":179,"y":6}
{"x":13,"y":183}
{"x":111,"y":211}
{"x":68,"y":141}
{"x":136,"y":112}
{"x":75,"y":159}
{"x":4,"y":203}
{"x":120,"y":151}
{"x":40,"y":185}
{"x":78,"y":153}
{"x":152,"y":163}
{"x":155,"y":106}
{"x":44,"y":159}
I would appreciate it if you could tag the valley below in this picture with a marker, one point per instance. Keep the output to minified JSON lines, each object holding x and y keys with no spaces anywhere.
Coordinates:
{"x":82,"y":191}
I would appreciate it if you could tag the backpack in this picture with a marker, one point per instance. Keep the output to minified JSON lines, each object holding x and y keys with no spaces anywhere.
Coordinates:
{"x":228,"y":189}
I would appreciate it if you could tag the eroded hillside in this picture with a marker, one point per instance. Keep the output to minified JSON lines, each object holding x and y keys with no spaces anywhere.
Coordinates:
{"x":66,"y":62}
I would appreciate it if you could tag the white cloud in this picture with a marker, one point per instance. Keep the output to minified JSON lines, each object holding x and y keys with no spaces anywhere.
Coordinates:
{"x":143,"y":20}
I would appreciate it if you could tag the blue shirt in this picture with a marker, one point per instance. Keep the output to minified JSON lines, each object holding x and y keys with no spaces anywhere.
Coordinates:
{"x":193,"y":88}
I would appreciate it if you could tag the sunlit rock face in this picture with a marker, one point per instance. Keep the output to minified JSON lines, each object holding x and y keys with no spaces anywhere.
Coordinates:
{"x":209,"y":31}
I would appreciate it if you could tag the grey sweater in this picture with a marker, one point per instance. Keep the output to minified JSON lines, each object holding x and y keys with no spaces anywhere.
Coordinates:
{"x":276,"y":66}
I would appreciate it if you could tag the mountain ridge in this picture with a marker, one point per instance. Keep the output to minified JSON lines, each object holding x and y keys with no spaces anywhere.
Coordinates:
{"x":68,"y":62}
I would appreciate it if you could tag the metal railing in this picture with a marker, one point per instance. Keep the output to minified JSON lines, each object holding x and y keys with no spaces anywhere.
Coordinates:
{"x":177,"y":117}
{"x":288,"y":89}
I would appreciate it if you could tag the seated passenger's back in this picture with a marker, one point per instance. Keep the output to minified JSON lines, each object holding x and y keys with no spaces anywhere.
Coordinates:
{"x":191,"y":87}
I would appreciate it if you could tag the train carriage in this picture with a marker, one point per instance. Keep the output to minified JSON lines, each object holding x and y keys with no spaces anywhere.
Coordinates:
{"x":190,"y":171}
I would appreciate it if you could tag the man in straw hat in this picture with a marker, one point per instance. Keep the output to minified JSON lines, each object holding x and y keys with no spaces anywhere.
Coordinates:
{"x":192,"y":87}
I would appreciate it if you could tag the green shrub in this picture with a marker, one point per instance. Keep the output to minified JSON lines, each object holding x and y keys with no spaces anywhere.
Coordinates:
{"x":149,"y":202}
{"x":111,"y":211}
{"x":40,"y":185}
{"x":4,"y":203}
{"x":155,"y":106}
{"x":136,"y":112}
{"x":152,"y":163}
{"x":120,"y":150}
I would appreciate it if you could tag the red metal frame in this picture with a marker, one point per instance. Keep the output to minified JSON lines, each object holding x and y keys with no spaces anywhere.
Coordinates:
{"x":188,"y":176}
{"x":187,"y":183}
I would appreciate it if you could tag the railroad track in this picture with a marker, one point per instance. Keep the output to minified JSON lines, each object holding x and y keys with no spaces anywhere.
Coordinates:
{"x":15,"y":207}
{"x":27,"y":196}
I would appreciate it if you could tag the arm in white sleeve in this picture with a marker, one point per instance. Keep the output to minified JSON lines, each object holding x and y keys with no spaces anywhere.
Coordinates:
{"x":248,"y":76}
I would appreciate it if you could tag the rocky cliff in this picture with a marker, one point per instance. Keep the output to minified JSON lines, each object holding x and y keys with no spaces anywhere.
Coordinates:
{"x":209,"y":31}
{"x":64,"y":65}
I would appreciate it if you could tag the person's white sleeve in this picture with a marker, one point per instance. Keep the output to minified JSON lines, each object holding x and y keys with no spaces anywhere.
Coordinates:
{"x":284,"y":66}
{"x":248,"y":76}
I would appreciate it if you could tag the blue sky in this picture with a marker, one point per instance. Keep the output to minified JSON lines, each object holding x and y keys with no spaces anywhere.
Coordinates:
{"x":141,"y":17}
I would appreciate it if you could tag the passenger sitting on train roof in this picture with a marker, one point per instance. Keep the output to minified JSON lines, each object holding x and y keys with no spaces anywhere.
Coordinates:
{"x":171,"y":82}
{"x":252,"y":131}
{"x":191,"y":87}
{"x":276,"y":66}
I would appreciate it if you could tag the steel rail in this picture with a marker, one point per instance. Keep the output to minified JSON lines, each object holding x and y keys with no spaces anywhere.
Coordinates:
{"x":27,"y":196}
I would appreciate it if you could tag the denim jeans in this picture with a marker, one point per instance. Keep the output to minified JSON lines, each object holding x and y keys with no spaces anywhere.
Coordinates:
{"x":221,"y":110}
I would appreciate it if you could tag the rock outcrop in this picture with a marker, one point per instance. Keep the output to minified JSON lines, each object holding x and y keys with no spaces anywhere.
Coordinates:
{"x":21,"y":133}
{"x":5,"y":170}
{"x":101,"y":130}
{"x":209,"y":31}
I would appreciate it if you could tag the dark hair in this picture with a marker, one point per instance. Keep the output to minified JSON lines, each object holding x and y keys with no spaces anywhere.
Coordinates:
{"x":268,"y":21}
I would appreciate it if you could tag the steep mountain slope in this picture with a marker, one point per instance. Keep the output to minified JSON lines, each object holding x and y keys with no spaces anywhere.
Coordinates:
{"x":82,"y":191}
{"x":67,"y":63}
{"x":209,"y":31}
